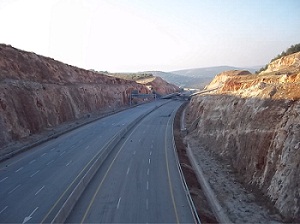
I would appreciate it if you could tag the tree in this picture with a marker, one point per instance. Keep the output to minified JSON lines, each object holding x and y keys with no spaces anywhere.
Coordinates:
{"x":291,"y":50}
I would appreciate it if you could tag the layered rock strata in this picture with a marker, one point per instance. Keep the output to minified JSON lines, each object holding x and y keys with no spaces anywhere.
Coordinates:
{"x":254,"y":122}
{"x":158,"y":85}
{"x":37,"y":93}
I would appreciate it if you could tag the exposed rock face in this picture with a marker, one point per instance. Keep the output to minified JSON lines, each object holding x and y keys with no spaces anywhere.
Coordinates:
{"x":38,"y":92}
{"x":158,"y":85}
{"x":254,"y":121}
{"x":290,"y":62}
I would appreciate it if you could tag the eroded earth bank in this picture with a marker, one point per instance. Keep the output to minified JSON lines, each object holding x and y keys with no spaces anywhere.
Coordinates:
{"x":245,"y":132}
{"x":249,"y":127}
{"x":37,"y":94}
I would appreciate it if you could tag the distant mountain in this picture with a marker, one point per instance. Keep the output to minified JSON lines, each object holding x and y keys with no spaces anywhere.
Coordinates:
{"x":207,"y":71}
{"x":178,"y":80}
{"x":197,"y":78}
{"x":200,"y":77}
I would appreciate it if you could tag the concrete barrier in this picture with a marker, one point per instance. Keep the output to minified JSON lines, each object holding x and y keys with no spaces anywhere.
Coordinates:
{"x":184,"y":184}
{"x":14,"y":151}
{"x":65,"y":210}
{"x":70,"y":202}
{"x":208,"y":192}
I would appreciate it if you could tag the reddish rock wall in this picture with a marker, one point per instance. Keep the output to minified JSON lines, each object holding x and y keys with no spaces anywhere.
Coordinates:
{"x":158,"y":85}
{"x":162,"y":87}
{"x":38,"y":92}
{"x":254,"y":121}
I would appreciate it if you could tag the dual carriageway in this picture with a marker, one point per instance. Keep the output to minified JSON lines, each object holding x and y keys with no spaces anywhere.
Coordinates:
{"x":138,"y":181}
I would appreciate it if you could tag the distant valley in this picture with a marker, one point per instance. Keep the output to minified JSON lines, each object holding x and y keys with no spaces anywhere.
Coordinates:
{"x":197,"y":78}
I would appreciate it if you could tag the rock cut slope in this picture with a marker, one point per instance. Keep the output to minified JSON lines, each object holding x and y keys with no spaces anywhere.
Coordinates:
{"x":158,"y":85}
{"x":253,"y":121}
{"x":150,"y":79}
{"x":37,"y":92}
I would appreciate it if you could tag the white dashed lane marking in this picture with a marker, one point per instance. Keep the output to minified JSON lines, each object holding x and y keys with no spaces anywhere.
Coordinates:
{"x":3,"y":179}
{"x":32,"y":161}
{"x":118,"y":205}
{"x":50,"y":162}
{"x":44,"y":154}
{"x":21,"y":168}
{"x":14,"y":189}
{"x":39,"y":190}
{"x":3,"y":209}
{"x":35,"y":173}
{"x":62,"y":153}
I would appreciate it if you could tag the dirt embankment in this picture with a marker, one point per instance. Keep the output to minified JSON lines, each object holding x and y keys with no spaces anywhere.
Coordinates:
{"x":202,"y":206}
{"x":38,"y":93}
{"x":158,"y":85}
{"x":253,"y":122}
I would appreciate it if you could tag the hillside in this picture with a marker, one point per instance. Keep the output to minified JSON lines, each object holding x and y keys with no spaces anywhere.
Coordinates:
{"x":252,"y":122}
{"x":153,"y":82}
{"x":38,"y":93}
{"x":180,"y":80}
{"x":196,"y":78}
{"x":200,"y":77}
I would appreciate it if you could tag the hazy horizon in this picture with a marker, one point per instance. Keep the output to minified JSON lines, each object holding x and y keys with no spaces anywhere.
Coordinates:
{"x":169,"y":35}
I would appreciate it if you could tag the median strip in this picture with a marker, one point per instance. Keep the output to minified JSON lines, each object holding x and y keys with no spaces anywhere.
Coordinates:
{"x":97,"y":161}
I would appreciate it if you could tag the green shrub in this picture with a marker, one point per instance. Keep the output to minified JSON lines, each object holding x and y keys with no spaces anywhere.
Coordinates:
{"x":291,"y":50}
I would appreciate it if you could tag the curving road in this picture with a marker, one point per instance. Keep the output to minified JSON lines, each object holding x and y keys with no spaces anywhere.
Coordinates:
{"x":139,"y":182}
{"x":35,"y":184}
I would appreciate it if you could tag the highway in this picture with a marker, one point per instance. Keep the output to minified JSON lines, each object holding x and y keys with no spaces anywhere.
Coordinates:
{"x":35,"y":184}
{"x":139,"y":182}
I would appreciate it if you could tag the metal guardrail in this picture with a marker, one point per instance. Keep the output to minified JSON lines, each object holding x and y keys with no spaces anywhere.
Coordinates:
{"x":218,"y":211}
{"x":205,"y":91}
{"x":170,"y":95}
{"x":186,"y":188}
{"x":143,"y":95}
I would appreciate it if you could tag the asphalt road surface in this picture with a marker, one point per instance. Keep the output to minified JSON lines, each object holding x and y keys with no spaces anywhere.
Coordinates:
{"x":139,"y":182}
{"x":35,"y":184}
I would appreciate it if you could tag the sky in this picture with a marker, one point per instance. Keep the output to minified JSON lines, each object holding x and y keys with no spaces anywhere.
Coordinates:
{"x":147,"y":35}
